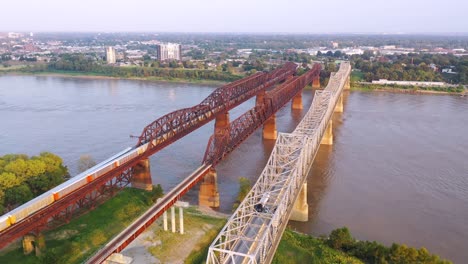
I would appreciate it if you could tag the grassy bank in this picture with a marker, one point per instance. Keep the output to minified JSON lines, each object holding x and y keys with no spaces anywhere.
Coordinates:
{"x":407,"y":89}
{"x":200,"y":229}
{"x":74,"y":242}
{"x":300,"y":248}
{"x":94,"y":75}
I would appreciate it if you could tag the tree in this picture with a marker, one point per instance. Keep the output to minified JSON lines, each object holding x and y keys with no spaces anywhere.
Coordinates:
{"x":85,"y":162}
{"x":340,"y":238}
{"x":18,"y":195}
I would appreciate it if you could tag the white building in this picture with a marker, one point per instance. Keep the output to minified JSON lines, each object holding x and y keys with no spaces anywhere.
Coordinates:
{"x":169,"y":51}
{"x":110,"y":55}
{"x":408,"y":83}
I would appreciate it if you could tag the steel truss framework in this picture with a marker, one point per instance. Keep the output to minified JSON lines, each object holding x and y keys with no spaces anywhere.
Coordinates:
{"x":159,"y":134}
{"x":62,"y":211}
{"x":226,"y":140}
{"x":175,"y":125}
{"x":252,"y":237}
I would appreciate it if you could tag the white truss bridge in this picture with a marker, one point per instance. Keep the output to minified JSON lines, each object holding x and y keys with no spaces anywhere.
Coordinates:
{"x":251,"y":236}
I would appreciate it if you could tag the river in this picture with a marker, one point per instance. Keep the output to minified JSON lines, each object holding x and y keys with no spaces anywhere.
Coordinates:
{"x":397,"y":172}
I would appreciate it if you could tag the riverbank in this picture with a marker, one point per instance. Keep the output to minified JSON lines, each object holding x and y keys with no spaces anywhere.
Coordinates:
{"x":84,"y":235}
{"x":408,"y":90}
{"x":93,"y":76}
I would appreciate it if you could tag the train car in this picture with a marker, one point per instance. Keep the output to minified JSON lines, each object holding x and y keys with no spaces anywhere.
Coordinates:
{"x":56,"y":193}
{"x":31,"y":207}
{"x":4,"y":222}
{"x":87,"y":176}
{"x":70,"y":185}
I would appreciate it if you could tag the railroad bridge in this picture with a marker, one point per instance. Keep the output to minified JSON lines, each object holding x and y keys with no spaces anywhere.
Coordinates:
{"x":272,"y":90}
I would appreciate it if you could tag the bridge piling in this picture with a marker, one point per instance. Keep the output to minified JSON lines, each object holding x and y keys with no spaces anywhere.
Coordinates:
{"x":339,"y":105}
{"x":221,"y":122}
{"x":269,"y":129}
{"x":297,"y":101}
{"x":259,"y":98}
{"x":316,"y":82}
{"x":208,"y":194}
{"x":142,"y":176}
{"x":347,"y":85}
{"x":173,"y":221}
{"x":300,"y":211}
{"x":165,"y":220}
{"x":327,"y":138}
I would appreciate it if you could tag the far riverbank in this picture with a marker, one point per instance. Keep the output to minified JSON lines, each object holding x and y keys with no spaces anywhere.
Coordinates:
{"x":84,"y":75}
{"x":408,"y":90}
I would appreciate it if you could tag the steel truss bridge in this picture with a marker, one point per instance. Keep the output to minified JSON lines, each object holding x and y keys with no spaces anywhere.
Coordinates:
{"x":161,"y":133}
{"x":251,"y":236}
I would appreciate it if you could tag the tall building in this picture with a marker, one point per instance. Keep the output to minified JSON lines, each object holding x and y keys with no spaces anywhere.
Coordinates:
{"x":110,"y":55}
{"x":169,"y":51}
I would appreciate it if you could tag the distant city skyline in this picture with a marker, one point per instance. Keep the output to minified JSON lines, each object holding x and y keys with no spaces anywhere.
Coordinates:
{"x":242,"y":16}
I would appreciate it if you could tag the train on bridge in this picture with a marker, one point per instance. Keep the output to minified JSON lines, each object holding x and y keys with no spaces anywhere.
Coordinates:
{"x":55,"y":194}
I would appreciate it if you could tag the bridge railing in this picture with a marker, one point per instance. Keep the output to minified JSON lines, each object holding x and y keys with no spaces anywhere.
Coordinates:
{"x":251,"y":236}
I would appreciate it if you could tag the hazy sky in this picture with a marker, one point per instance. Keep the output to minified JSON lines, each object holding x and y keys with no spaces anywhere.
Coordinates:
{"x":295,"y":16}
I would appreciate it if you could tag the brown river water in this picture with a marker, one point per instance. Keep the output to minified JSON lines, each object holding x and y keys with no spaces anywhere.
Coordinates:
{"x":397,"y":172}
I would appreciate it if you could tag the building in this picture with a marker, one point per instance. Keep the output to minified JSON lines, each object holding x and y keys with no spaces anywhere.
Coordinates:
{"x":110,"y":55}
{"x":169,"y":51}
{"x":409,"y":83}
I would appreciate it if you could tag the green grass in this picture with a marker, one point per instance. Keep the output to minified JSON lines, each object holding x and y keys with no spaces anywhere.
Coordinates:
{"x":299,"y":248}
{"x":76,"y":241}
{"x":198,"y":227}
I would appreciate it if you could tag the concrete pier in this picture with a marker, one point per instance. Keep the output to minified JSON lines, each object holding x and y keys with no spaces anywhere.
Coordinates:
{"x":297,"y":101}
{"x":260,"y":97}
{"x":181,"y":220}
{"x":142,"y":176}
{"x":339,"y":105}
{"x":269,"y":129}
{"x":208,"y":194}
{"x":173,"y":222}
{"x":316,"y":82}
{"x":300,"y":211}
{"x":347,"y":85}
{"x":165,"y":220}
{"x":327,"y":138}
{"x":221,"y":122}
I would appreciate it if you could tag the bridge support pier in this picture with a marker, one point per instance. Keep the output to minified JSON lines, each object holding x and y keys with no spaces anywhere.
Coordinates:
{"x":34,"y":243}
{"x":347,"y":84}
{"x":208,"y":194}
{"x":259,"y":98}
{"x":181,"y":220}
{"x":173,"y":219}
{"x":269,"y":129}
{"x":316,"y":82}
{"x":327,"y":138}
{"x":221,"y":122}
{"x":142,"y":176}
{"x":339,"y":105}
{"x":300,"y":211}
{"x":165,"y":220}
{"x":297,"y":101}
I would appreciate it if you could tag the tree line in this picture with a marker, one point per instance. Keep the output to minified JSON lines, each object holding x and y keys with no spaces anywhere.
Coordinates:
{"x":23,"y":178}
{"x":414,"y":67}
{"x":86,"y":64}
{"x":374,"y":252}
